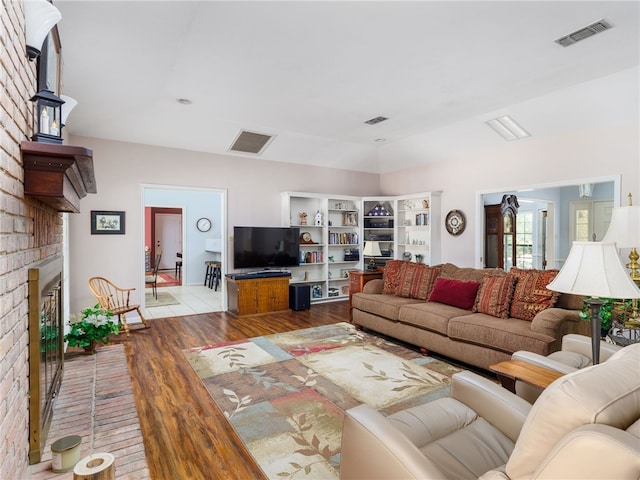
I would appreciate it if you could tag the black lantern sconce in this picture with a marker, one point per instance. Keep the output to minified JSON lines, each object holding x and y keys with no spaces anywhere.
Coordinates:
{"x":48,"y":117}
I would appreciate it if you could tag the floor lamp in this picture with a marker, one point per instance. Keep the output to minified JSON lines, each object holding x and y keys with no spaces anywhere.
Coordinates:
{"x":593,"y":269}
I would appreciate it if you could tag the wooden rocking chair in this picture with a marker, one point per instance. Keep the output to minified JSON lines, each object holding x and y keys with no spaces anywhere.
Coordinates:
{"x":115,"y":299}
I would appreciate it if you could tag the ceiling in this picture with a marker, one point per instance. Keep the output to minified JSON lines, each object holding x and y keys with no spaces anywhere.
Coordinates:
{"x":311,"y":73}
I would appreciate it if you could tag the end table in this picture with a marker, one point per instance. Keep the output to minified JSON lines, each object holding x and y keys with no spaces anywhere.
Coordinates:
{"x":357,"y":281}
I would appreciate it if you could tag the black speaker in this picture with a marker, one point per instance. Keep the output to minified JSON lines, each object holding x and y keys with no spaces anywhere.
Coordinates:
{"x":299,"y":297}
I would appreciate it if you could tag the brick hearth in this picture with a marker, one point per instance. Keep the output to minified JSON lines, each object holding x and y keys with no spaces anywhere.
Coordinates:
{"x":96,"y":402}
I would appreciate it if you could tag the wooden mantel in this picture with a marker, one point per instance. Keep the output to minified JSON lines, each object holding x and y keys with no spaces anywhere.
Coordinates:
{"x":58,"y":175}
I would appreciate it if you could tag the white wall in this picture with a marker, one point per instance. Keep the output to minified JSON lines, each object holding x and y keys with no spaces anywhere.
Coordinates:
{"x":254,"y":187}
{"x":253,"y":198}
{"x":524,"y":163}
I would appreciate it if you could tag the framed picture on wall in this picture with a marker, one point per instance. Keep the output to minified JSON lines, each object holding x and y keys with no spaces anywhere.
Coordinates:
{"x":107,"y":222}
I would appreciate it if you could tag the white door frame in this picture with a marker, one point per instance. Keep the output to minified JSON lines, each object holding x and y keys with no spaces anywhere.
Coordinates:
{"x":223,"y":229}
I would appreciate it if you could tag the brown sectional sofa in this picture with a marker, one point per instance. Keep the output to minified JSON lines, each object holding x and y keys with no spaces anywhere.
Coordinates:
{"x":468,"y":335}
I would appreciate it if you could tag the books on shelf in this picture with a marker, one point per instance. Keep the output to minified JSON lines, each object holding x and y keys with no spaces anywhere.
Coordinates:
{"x":344,"y":238}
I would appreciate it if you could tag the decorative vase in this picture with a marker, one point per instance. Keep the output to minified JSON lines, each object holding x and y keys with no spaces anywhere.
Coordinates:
{"x":91,"y":348}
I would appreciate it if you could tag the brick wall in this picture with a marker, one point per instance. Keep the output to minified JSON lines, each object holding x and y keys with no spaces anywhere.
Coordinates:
{"x":20,"y":244}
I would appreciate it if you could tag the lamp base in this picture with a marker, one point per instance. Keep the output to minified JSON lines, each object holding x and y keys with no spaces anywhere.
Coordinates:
{"x":596,"y":326}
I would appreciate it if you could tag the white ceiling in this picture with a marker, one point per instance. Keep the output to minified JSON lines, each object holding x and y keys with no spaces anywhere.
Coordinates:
{"x":312,"y":72}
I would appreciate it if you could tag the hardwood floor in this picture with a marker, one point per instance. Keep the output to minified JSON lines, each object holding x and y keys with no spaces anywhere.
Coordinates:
{"x":185,"y":435}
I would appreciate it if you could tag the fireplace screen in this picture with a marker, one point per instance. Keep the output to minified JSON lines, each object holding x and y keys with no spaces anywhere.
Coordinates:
{"x":46,"y":352}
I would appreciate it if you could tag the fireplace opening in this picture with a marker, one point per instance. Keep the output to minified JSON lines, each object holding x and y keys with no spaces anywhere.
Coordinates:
{"x":46,"y":349}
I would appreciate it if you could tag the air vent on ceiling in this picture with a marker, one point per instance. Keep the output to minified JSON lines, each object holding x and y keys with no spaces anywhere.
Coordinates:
{"x":375,"y":120}
{"x":585,"y":32}
{"x":250,"y":142}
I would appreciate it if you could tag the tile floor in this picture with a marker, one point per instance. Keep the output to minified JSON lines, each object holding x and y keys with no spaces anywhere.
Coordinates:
{"x":193,"y":299}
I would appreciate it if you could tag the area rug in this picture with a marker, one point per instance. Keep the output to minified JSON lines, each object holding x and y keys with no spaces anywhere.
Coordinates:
{"x":285,"y":394}
{"x":164,"y":299}
{"x":166,"y":279}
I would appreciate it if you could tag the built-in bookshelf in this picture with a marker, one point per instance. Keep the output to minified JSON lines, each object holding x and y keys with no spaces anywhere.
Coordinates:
{"x":338,"y":227}
{"x":333,"y":225}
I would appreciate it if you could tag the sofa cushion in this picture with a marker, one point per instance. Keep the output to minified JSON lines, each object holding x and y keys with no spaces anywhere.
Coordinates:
{"x":416,"y":280}
{"x":390,"y":276}
{"x":454,"y":437}
{"x":531,"y":294}
{"x":468,"y":274}
{"x":432,"y":316}
{"x":456,"y":293}
{"x":386,"y":306}
{"x":507,"y":335}
{"x":495,"y":294}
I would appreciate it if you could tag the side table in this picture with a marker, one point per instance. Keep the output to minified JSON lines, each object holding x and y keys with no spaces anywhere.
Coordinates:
{"x":357,"y":281}
{"x":512,"y":370}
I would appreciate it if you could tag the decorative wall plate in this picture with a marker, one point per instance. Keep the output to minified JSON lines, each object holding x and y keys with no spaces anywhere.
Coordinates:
{"x":455,"y":222}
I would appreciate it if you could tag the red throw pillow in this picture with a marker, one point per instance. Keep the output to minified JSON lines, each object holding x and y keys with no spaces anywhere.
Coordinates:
{"x":390,"y":276}
{"x":531,"y":295}
{"x":495,"y":294}
{"x":454,"y":292}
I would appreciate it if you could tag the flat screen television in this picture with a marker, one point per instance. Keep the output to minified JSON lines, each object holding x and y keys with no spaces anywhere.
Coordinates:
{"x":265,"y":247}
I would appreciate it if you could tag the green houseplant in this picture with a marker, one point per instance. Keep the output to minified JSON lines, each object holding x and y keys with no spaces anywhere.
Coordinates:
{"x":612,"y":310}
{"x":94,"y":325}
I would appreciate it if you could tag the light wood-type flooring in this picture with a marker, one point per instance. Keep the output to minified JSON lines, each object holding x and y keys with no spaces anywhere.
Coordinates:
{"x":185,"y":435}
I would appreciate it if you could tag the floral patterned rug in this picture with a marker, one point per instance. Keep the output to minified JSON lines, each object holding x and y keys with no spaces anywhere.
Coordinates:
{"x":285,"y":394}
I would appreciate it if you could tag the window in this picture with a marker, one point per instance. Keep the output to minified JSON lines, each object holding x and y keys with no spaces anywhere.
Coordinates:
{"x":524,"y":240}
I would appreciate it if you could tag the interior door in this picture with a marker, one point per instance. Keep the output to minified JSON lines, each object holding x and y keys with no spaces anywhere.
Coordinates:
{"x":168,"y":236}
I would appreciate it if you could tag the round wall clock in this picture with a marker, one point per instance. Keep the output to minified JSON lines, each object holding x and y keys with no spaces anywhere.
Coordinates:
{"x":203,"y":224}
{"x":455,"y":222}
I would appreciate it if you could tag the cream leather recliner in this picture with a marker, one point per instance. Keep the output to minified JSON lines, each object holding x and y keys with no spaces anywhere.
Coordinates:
{"x":575,"y":354}
{"x":585,"y":425}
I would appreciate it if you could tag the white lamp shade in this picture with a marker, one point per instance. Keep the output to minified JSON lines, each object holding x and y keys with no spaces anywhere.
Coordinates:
{"x":68,"y":105}
{"x":372,"y":249}
{"x":624,"y":228}
{"x":594,"y":269}
{"x":40,"y":16}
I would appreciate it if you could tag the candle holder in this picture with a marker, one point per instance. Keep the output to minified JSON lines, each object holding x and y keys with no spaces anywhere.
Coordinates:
{"x":48,"y":117}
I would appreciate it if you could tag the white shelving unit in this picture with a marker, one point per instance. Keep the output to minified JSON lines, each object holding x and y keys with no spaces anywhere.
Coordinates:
{"x":336,"y":248}
{"x":379,"y":225}
{"x":418,"y":228}
{"x":346,"y":223}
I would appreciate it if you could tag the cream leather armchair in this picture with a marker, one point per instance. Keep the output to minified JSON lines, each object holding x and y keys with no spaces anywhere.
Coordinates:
{"x":584,"y":425}
{"x":575,"y":354}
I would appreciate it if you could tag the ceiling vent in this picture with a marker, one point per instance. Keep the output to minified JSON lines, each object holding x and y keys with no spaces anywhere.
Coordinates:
{"x":585,"y":32}
{"x":375,"y":120}
{"x":250,"y":142}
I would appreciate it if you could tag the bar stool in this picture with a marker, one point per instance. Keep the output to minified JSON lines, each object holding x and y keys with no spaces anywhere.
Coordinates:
{"x":179,"y":265}
{"x":213,"y":274}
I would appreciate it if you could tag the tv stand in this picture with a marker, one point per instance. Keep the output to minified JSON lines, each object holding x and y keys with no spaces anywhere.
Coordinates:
{"x":254,"y":294}
{"x":259,"y":274}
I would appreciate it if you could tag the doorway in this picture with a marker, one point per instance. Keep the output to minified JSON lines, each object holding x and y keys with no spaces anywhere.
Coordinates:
{"x":552,"y":230}
{"x":171,"y":215}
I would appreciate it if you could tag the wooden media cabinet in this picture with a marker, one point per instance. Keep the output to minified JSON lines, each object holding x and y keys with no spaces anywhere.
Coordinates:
{"x":257,"y":296}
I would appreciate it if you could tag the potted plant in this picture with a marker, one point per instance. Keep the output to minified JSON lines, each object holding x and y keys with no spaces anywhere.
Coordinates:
{"x":94,"y":325}
{"x":612,"y":310}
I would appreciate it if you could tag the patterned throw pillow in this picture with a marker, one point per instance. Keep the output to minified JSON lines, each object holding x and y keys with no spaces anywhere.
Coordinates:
{"x":456,"y":293}
{"x":495,"y":294}
{"x":390,"y":276}
{"x":415,"y":280}
{"x":531,"y":295}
